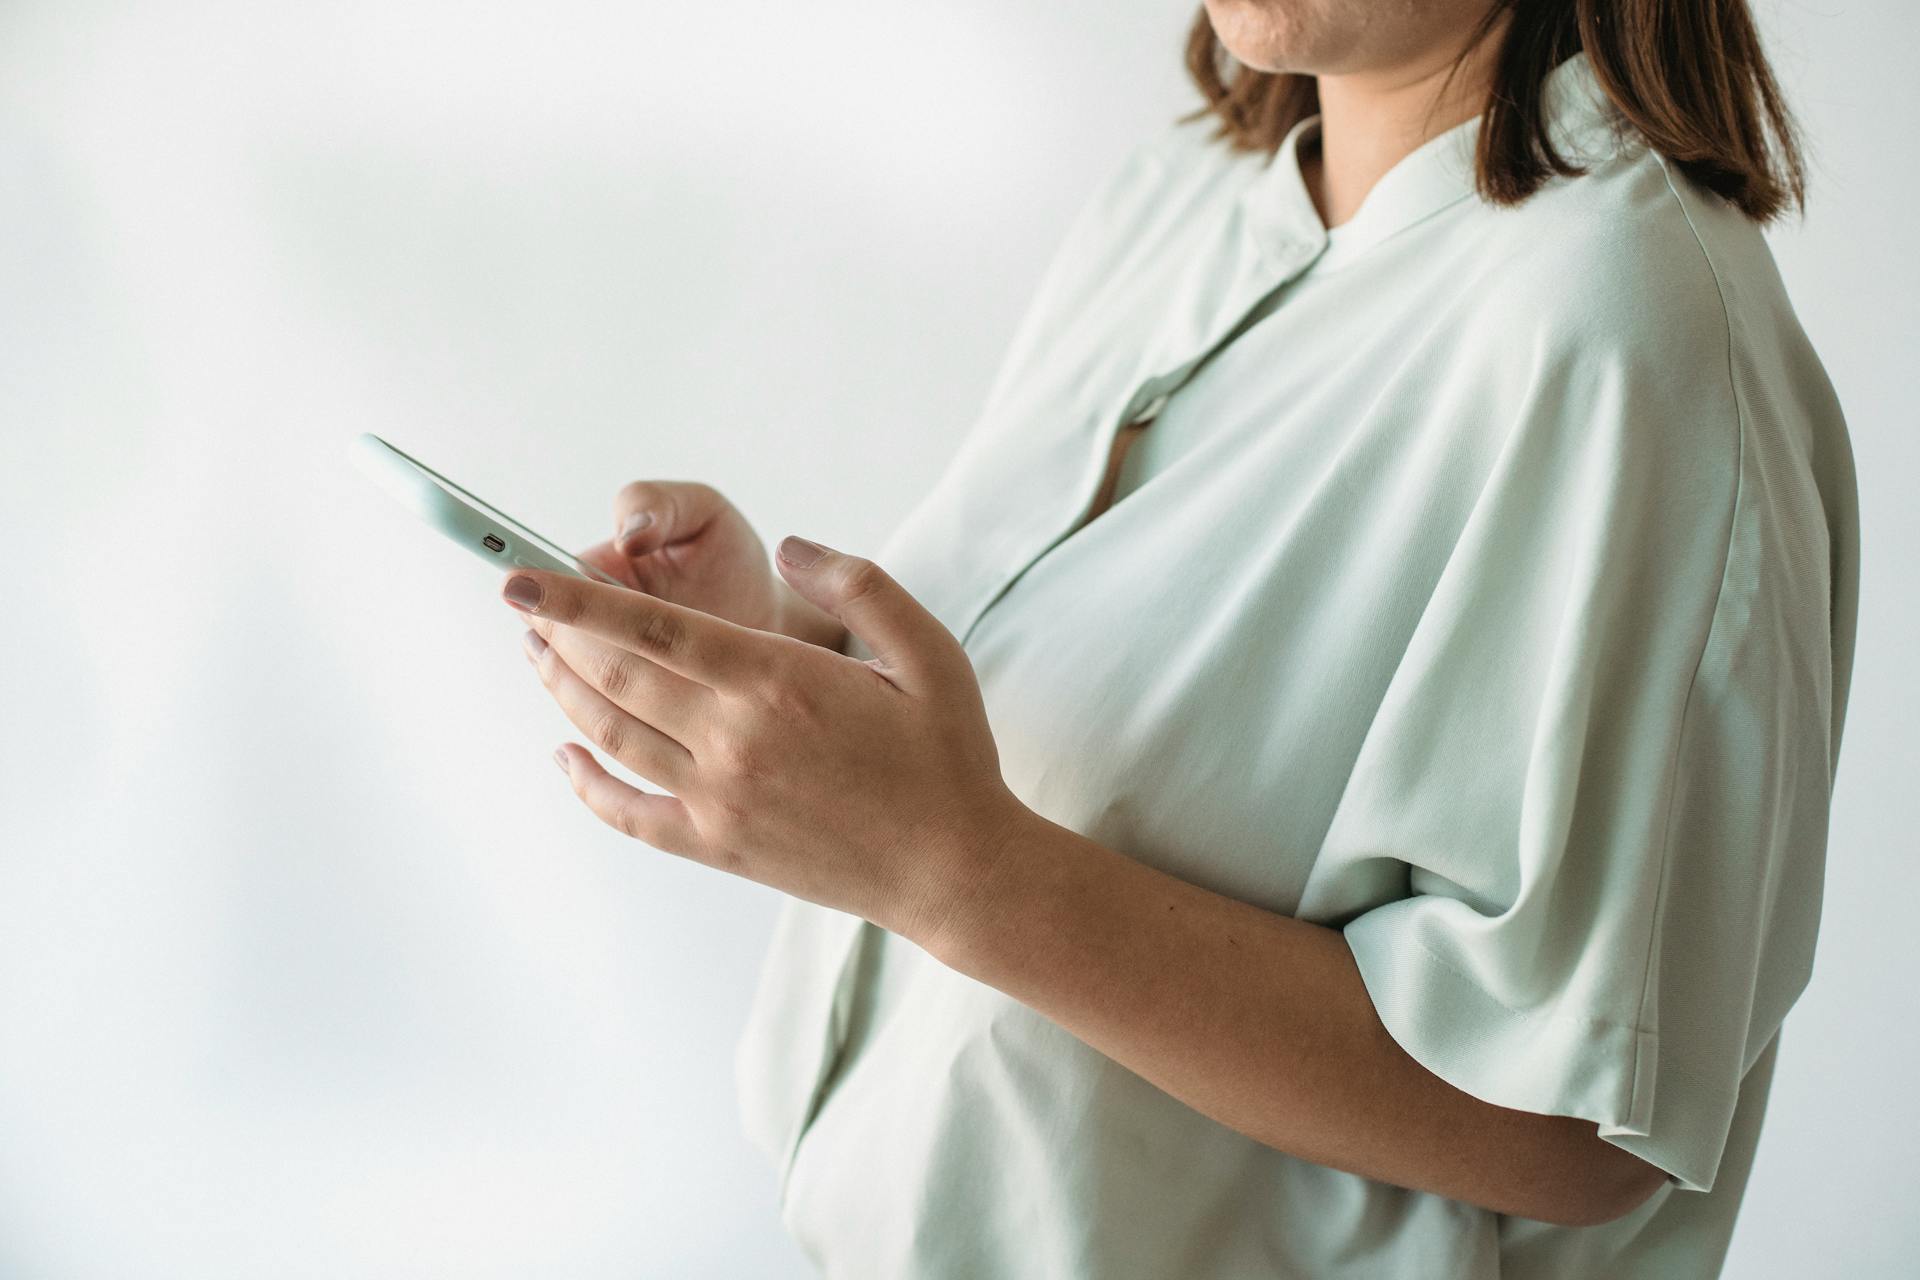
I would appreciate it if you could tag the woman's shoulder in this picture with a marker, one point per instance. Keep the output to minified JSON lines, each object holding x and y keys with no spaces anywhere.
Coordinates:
{"x":1643,"y":315}
{"x":1163,"y":179}
{"x":1634,"y":260}
{"x":1168,"y":189}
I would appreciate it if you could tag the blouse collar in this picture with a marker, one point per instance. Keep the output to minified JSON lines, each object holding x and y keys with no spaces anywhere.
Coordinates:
{"x":1436,"y":174}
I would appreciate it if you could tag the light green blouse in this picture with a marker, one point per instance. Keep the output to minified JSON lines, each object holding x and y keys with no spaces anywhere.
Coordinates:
{"x":1489,"y":596}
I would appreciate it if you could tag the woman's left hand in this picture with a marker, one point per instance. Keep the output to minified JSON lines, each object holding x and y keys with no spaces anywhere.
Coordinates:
{"x":871,"y":787}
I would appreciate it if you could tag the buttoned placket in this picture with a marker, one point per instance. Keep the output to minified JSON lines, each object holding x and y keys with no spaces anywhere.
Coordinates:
{"x":1284,"y":251}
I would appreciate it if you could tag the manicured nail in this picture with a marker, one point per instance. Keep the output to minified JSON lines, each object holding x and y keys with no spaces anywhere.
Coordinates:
{"x":800,"y":553}
{"x":523,"y":593}
{"x":535,"y":646}
{"x":560,"y":758}
{"x":635,"y":523}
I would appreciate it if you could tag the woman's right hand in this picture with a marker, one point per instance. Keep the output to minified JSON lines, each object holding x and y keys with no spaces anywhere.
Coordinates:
{"x":682,"y":541}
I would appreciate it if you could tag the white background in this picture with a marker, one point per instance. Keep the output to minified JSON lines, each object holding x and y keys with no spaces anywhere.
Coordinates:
{"x":310,"y":964}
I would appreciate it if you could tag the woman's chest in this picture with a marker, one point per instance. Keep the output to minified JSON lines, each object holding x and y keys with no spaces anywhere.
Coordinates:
{"x":1187,"y":669}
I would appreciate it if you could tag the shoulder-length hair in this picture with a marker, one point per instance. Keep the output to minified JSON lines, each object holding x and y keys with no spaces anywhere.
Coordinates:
{"x":1688,"y":75}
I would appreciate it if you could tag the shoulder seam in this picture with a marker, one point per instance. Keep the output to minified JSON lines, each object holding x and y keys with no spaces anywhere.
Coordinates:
{"x":1713,"y":618}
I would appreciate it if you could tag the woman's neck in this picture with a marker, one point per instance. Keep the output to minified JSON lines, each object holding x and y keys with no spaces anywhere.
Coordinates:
{"x":1371,"y":120}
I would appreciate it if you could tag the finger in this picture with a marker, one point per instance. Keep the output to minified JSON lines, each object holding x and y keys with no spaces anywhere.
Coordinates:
{"x":699,"y":646}
{"x":648,"y":572}
{"x":645,"y":690}
{"x":603,"y":556}
{"x":648,"y":514}
{"x":627,"y":738}
{"x":660,"y":821}
{"x":909,"y":642}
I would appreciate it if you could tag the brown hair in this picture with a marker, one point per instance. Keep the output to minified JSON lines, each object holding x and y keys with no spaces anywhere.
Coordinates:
{"x":1688,"y":75}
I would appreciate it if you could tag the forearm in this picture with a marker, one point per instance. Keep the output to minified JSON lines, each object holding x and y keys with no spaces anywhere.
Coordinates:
{"x":1262,"y":1023}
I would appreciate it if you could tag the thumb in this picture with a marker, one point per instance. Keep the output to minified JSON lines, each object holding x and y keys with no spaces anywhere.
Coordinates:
{"x":909,"y":642}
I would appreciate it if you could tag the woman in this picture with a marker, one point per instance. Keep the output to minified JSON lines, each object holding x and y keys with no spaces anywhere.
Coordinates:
{"x":1368,"y":822}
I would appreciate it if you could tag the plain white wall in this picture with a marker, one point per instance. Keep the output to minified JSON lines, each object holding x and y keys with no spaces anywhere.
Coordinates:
{"x":310,"y":965}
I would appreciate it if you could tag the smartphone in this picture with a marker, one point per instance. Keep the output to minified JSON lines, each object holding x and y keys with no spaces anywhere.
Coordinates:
{"x":484,"y":530}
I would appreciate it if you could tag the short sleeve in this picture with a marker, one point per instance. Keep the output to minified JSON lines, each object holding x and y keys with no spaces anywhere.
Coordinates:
{"x":1599,"y":777}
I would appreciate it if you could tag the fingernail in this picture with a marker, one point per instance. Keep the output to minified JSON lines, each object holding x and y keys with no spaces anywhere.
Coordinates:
{"x":535,"y":646}
{"x":523,"y":593}
{"x":635,"y":523}
{"x":560,"y":758}
{"x":800,"y":553}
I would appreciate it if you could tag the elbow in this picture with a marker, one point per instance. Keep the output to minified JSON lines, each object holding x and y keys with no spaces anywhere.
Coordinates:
{"x":1635,"y":1191}
{"x":1616,"y":1185}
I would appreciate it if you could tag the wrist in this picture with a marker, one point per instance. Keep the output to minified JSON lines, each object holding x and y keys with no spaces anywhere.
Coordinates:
{"x":973,"y":882}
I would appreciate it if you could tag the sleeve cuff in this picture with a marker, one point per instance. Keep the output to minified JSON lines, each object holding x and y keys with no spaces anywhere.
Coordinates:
{"x":1543,"y":1060}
